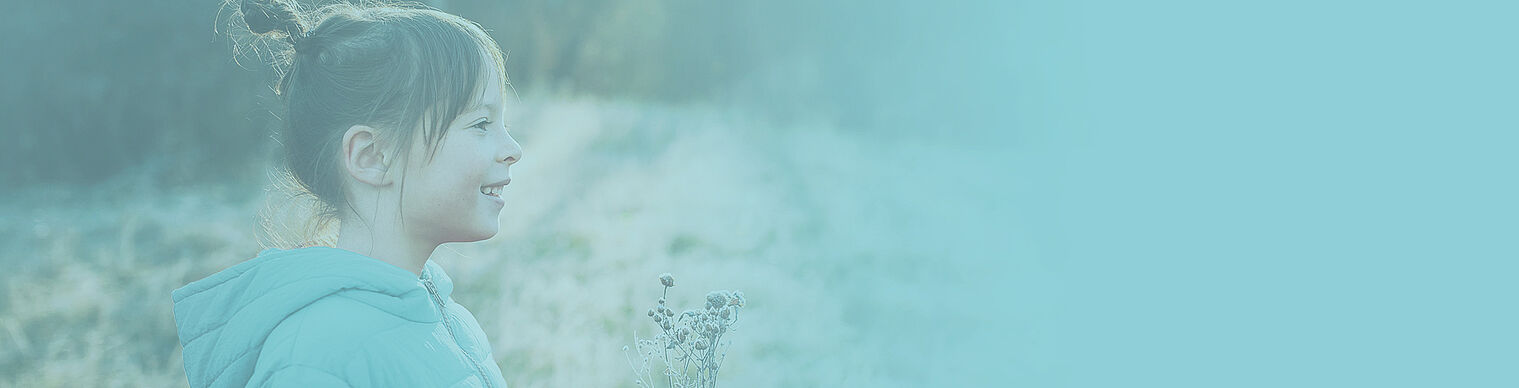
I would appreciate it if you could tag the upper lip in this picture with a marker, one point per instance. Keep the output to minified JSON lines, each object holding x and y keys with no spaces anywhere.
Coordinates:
{"x":505,"y":182}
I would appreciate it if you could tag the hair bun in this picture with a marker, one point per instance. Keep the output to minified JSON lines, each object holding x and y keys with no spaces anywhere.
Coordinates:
{"x":264,"y":16}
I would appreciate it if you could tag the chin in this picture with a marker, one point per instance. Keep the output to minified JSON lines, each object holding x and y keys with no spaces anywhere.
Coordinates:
{"x":481,"y":234}
{"x":485,"y":234}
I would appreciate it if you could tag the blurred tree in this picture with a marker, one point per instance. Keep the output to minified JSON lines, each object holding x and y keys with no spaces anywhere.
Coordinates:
{"x":94,"y":88}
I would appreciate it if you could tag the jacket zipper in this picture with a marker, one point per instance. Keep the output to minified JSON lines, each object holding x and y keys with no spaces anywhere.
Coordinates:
{"x":444,"y":313}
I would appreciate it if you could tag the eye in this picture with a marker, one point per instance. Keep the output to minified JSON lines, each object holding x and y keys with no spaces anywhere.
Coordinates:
{"x":481,"y":124}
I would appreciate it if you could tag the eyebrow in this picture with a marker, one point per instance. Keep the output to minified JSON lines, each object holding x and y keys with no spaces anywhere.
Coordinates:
{"x":478,"y":106}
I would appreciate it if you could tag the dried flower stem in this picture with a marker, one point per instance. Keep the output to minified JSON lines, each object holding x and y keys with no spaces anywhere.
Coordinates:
{"x":693,"y":340}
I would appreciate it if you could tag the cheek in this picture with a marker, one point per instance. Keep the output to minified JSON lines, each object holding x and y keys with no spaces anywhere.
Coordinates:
{"x":451,"y":182}
{"x":458,"y":176}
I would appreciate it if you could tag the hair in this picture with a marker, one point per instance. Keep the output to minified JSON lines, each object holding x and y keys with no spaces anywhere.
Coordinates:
{"x":395,"y":67}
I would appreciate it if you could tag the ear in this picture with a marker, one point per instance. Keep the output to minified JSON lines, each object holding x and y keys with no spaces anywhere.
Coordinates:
{"x":364,"y":157}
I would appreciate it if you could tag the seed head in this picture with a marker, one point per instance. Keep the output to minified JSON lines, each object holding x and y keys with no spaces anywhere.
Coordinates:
{"x":666,"y":279}
{"x":717,"y":299}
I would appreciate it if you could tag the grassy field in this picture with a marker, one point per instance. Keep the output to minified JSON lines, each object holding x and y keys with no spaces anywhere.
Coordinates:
{"x":862,"y":257}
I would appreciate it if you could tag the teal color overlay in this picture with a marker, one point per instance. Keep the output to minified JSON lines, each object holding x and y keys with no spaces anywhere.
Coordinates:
{"x":1259,"y":194}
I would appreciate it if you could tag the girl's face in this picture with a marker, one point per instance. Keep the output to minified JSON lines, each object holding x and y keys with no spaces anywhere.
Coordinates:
{"x":456,"y":196}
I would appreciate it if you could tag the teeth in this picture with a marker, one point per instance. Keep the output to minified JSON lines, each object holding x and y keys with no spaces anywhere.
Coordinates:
{"x":490,"y":190}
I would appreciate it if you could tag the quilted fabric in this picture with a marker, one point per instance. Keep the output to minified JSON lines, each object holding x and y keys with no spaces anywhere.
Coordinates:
{"x":327,"y":317}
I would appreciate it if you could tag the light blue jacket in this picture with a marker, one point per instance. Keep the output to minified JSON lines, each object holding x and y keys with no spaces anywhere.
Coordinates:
{"x":327,"y":317}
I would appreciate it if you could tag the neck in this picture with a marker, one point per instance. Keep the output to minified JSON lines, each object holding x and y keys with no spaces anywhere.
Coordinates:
{"x":388,"y":246}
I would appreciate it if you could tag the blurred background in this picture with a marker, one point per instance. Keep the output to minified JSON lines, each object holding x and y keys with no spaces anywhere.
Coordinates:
{"x":1173,"y":193}
{"x":837,"y":162}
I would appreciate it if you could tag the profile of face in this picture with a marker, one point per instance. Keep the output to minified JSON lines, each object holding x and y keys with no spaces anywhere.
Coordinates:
{"x":456,"y":197}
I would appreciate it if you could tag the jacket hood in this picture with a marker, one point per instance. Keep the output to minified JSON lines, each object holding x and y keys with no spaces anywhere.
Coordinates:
{"x":224,"y":318}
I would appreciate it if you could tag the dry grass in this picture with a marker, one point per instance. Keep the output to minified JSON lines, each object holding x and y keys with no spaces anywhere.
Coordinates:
{"x":823,"y":230}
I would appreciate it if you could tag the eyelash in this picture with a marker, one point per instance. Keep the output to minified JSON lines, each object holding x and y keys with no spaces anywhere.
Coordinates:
{"x":481,"y":125}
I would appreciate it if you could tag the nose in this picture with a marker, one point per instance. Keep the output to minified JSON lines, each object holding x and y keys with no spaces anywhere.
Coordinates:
{"x":510,"y":152}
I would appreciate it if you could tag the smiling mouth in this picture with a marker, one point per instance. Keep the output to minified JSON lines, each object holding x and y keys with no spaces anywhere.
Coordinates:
{"x":494,"y":191}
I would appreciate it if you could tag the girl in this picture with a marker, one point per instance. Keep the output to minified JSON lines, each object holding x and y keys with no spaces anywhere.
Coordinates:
{"x":394,"y":122}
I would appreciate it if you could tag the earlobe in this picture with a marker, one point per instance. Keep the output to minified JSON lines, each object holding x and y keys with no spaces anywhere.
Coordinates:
{"x":364,"y":157}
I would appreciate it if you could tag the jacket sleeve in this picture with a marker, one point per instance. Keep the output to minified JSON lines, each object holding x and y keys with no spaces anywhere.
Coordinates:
{"x":302,"y":376}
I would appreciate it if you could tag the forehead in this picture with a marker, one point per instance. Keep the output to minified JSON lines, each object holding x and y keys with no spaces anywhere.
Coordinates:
{"x":489,"y":87}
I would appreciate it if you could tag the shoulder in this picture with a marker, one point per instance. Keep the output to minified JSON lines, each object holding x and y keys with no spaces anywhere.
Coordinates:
{"x":333,"y":327}
{"x":342,"y":337}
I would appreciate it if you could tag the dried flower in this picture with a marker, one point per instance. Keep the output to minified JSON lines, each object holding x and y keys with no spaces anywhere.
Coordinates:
{"x":717,"y":299}
{"x":691,"y":344}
